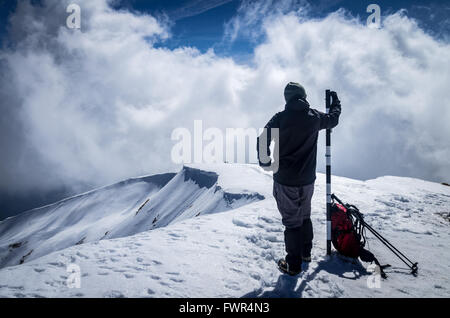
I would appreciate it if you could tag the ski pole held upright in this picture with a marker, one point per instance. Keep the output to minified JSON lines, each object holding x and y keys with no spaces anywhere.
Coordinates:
{"x":328,"y":172}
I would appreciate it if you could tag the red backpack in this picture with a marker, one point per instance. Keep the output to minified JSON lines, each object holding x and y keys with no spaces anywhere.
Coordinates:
{"x":345,"y":238}
{"x":348,"y":236}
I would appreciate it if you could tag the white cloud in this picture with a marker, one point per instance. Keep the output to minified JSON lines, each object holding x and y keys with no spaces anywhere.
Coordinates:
{"x":392,"y":85}
{"x":100,"y":105}
{"x":251,"y":14}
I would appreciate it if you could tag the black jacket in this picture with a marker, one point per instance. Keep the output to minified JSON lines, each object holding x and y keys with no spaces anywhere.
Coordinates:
{"x":299,"y":127}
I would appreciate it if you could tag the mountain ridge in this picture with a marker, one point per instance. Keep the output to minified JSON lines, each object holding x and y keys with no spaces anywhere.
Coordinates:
{"x":234,"y":254}
{"x":137,"y":211}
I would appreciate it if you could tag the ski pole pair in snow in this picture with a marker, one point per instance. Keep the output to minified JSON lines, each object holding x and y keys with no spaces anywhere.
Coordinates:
{"x":353,"y":211}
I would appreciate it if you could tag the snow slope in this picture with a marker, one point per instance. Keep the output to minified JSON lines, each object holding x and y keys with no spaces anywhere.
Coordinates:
{"x":119,"y":210}
{"x":230,"y":254}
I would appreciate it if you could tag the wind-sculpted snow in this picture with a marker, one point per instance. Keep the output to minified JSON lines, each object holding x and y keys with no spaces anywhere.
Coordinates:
{"x":119,"y":210}
{"x":191,"y":193}
{"x":234,"y":254}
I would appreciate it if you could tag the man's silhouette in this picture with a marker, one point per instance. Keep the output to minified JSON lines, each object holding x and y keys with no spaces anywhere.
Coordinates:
{"x":293,"y":181}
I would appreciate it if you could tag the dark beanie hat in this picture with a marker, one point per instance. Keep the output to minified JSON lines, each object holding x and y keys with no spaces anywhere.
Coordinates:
{"x":294,"y":89}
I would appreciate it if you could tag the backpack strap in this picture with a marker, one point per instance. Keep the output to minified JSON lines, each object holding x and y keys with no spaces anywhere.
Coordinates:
{"x":367,"y":256}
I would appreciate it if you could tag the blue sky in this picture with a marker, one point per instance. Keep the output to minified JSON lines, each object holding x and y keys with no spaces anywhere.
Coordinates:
{"x":204,"y":28}
{"x":201,"y":23}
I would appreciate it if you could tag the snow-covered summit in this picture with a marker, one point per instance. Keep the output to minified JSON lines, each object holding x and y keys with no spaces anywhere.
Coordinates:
{"x":163,"y":236}
{"x":118,"y":210}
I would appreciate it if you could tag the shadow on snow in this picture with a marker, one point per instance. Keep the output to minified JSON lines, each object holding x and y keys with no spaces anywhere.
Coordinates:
{"x":285,"y":286}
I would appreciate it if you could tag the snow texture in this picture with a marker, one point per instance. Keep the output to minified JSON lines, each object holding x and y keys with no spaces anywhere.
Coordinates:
{"x":215,"y":231}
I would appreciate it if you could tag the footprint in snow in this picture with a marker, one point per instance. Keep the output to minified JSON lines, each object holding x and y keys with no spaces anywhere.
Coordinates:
{"x":255,"y":276}
{"x":266,"y":219}
{"x":138,"y":269}
{"x":82,"y":255}
{"x":402,"y":291}
{"x":272,"y":238}
{"x":57,"y":264}
{"x":105,"y":267}
{"x":173,"y":273}
{"x":175,"y":235}
{"x":119,"y":270}
{"x":232,"y":286}
{"x":114,"y":294}
{"x":242,"y":223}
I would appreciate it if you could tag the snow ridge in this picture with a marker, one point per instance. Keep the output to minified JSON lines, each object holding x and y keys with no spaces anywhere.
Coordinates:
{"x":122,"y":209}
{"x":234,"y":254}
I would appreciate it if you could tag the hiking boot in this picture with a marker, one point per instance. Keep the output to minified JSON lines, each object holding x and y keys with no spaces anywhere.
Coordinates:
{"x":283,"y":266}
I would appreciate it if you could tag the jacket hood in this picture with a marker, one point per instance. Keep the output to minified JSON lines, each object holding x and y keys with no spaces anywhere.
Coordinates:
{"x":297,"y":104}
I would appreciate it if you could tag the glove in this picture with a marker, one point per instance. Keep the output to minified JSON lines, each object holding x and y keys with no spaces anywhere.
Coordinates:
{"x":336,"y":101}
{"x":266,"y":166}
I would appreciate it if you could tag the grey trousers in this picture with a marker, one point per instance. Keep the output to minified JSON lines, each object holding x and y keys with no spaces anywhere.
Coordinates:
{"x":294,"y":204}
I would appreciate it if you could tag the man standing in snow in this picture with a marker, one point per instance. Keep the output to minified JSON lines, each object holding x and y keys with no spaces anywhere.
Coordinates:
{"x":298,"y":127}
